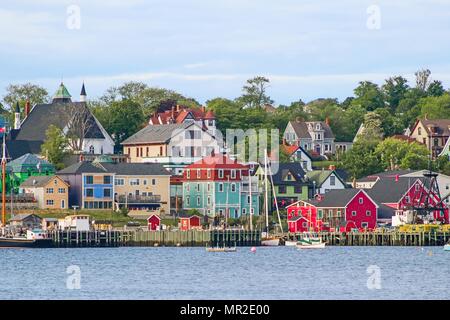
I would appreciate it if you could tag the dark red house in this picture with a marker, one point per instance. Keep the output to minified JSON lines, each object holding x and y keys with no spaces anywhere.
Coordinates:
{"x":337,"y":210}
{"x":153,"y":222}
{"x":190,"y":222}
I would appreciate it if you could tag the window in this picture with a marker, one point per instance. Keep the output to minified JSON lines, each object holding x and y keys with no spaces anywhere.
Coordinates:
{"x":361,"y":200}
{"x":436,"y":141}
{"x":188,"y":187}
{"x":61,"y":190}
{"x":119,"y":182}
{"x":55,"y":182}
{"x":220,"y":187}
{"x":198,"y":187}
{"x":419,"y":131}
{"x":89,"y":192}
{"x":176,"y":151}
{"x":188,"y":200}
{"x":320,"y":214}
{"x":208,"y":187}
{"x":281,"y":189}
{"x":417,"y":187}
{"x":233,"y":174}
{"x":249,"y":199}
{"x":327,"y":147}
{"x":89,"y":180}
{"x":198,"y":174}
{"x":407,"y":200}
{"x":332,"y":180}
{"x":146,"y":151}
{"x":153,"y":182}
{"x":354,"y":213}
{"x":188,"y":174}
{"x":208,"y":201}
{"x":106,"y":179}
{"x":134,"y":182}
{"x":50,"y":202}
{"x":91,"y":150}
{"x":298,"y":189}
{"x":368,"y":213}
{"x":305,"y":224}
{"x":319,"y":137}
{"x":209,"y":173}
{"x":233,"y":187}
{"x":220,"y":173}
{"x":338,"y":214}
{"x":198,"y":201}
{"x":107,"y":193}
{"x":305,"y":164}
{"x":289,"y":176}
{"x":63,"y":204}
{"x":244,"y":211}
{"x":49,"y":190}
{"x":364,"y":225}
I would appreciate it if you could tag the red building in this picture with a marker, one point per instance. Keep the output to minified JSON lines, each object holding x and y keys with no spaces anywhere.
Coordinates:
{"x":153,"y":222}
{"x":340,"y":210}
{"x":181,"y":114}
{"x":190,"y":222}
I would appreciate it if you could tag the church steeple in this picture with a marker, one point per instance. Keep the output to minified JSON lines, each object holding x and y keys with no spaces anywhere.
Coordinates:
{"x":17,"y":117}
{"x":62,"y":95}
{"x":83,"y":94}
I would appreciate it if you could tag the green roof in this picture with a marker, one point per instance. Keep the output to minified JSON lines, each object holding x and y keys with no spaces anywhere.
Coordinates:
{"x":62,"y":93}
{"x":319,"y":176}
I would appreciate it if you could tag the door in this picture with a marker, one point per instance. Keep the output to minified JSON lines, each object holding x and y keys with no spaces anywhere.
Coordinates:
{"x":63,"y":204}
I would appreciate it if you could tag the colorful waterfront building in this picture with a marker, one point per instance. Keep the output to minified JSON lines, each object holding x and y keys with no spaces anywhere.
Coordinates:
{"x":50,"y":192}
{"x":219,"y":186}
{"x":339,"y":210}
{"x":153,"y":222}
{"x":28,"y":165}
{"x":187,"y":222}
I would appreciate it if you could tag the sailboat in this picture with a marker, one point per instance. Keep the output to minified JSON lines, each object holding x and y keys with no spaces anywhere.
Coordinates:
{"x":266,"y":238}
{"x":310,"y":240}
{"x":33,"y":238}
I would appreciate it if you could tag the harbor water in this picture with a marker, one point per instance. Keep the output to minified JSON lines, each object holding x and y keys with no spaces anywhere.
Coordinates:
{"x":193,"y":273}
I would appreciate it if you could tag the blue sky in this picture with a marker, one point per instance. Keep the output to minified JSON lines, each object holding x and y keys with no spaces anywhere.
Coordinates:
{"x":208,"y":48}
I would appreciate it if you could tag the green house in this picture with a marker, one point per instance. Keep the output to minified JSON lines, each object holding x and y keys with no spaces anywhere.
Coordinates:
{"x":24,"y":167}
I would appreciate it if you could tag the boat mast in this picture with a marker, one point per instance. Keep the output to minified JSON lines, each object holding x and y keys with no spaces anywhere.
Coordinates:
{"x":266,"y":200}
{"x":276,"y":201}
{"x":4,"y":182}
{"x":251,"y":200}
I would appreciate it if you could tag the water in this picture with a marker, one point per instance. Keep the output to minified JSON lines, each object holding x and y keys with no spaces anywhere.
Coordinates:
{"x":192,"y":273}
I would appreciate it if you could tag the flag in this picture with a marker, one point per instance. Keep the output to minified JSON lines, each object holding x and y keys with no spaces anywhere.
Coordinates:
{"x":2,"y":129}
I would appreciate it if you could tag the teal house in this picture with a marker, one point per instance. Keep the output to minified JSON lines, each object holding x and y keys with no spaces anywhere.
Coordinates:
{"x":219,"y":187}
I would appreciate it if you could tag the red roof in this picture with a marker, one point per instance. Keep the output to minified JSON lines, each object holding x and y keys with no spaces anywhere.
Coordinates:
{"x":179,"y":114}
{"x":216,"y":161}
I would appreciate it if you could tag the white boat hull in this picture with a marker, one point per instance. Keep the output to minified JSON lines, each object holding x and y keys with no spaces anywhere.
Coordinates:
{"x":311,"y":246}
{"x":447,"y":247}
{"x":270,"y":242}
{"x":290,"y":243}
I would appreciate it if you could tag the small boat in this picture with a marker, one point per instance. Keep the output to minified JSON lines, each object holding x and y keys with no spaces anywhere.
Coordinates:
{"x":288,"y":243}
{"x":447,"y":247}
{"x":270,"y":242}
{"x":311,"y":243}
{"x":34,"y":239}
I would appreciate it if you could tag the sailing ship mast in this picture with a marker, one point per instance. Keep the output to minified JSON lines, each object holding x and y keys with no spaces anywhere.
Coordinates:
{"x":251,"y":200}
{"x":266,"y":187}
{"x":4,"y":182}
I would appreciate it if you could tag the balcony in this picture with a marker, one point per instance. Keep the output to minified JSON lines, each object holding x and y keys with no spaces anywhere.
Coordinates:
{"x":134,"y":199}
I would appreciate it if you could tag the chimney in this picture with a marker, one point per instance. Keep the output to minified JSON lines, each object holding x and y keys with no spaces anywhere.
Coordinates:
{"x":178,"y":108}
{"x":327,"y":121}
{"x":332,"y":167}
{"x":203,"y":109}
{"x":27,"y":108}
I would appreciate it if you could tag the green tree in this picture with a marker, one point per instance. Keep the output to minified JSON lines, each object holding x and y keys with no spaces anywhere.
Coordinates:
{"x":121,"y":119}
{"x":255,"y":93}
{"x":435,"y":89}
{"x":398,"y":154}
{"x":435,"y":107}
{"x":362,"y":160}
{"x":23,"y":92}
{"x":423,"y":79}
{"x":394,"y":91}
{"x":372,"y":126}
{"x":369,"y":96}
{"x":416,"y":157}
{"x":55,"y":146}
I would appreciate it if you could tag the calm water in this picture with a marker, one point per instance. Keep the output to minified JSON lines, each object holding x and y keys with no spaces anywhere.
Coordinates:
{"x":192,"y":273}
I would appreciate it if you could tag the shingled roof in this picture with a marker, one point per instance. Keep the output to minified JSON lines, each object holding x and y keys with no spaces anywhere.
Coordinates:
{"x":294,"y":168}
{"x":391,"y":189}
{"x":335,"y":198}
{"x":301,"y":129}
{"x":155,"y":169}
{"x":156,"y":134}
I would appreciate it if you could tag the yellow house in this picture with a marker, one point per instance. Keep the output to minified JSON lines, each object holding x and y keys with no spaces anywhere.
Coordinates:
{"x":432,"y":133}
{"x":50,"y":192}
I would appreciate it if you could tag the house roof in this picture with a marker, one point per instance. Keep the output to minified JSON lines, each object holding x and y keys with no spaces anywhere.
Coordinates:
{"x":442,"y":126}
{"x":384,"y":174}
{"x":151,"y":169}
{"x":294,"y":168}
{"x":301,"y":129}
{"x":39,"y":181}
{"x":35,"y":125}
{"x":388,"y":190}
{"x":17,"y":148}
{"x":23,"y":216}
{"x":23,"y":163}
{"x":335,"y":198}
{"x":142,"y":169}
{"x":156,"y":133}
{"x":320,"y":176}
{"x":217,"y":161}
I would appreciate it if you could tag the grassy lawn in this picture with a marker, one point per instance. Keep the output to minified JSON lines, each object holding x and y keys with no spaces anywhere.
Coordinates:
{"x":323,"y":164}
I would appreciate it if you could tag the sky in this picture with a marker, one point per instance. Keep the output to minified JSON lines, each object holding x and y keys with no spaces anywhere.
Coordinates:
{"x":209,"y":48}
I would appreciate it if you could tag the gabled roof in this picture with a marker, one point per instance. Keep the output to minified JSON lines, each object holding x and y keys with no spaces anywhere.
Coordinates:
{"x":82,"y":167}
{"x":156,"y":133}
{"x":388,"y":190}
{"x":301,"y":129}
{"x":39,"y":181}
{"x":136,"y":169}
{"x":442,"y":126}
{"x":335,"y":198}
{"x":320,"y":176}
{"x":293,"y":168}
{"x":217,"y":161}
{"x":23,"y":216}
{"x":23,"y":163}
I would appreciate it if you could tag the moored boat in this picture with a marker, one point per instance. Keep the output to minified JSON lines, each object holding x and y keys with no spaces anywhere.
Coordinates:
{"x":288,"y":243}
{"x":33,"y":239}
{"x":447,"y":247}
{"x":310,"y":243}
{"x":270,"y":242}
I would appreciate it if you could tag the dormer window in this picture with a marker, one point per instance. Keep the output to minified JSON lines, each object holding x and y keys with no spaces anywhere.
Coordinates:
{"x":318,"y":126}
{"x":419,"y":131}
